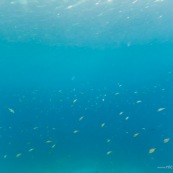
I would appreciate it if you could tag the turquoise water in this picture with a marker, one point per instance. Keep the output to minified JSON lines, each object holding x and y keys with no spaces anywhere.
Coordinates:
{"x":86,"y":86}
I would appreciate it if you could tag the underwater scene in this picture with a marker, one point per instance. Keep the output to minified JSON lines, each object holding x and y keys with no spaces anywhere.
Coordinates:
{"x":86,"y":86}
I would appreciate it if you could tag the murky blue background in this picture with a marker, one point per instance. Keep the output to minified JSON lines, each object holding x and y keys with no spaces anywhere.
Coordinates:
{"x":78,"y":79}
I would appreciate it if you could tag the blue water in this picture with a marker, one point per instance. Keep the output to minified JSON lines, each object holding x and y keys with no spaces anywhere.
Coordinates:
{"x":74,"y":90}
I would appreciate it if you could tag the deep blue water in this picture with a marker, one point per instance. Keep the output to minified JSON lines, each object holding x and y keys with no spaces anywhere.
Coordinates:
{"x":86,"y":87}
{"x":41,"y":84}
